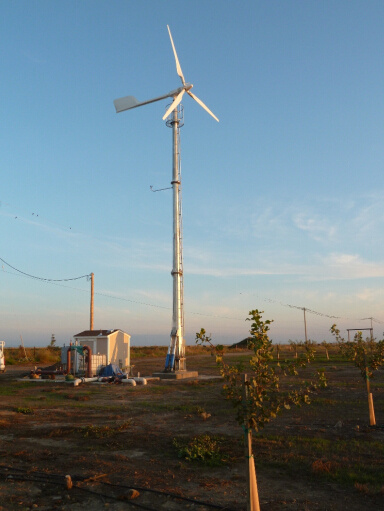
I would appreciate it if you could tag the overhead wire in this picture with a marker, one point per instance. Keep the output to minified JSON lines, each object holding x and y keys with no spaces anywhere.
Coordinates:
{"x":311,"y":311}
{"x":42,"y":278}
{"x":120,"y":298}
{"x":52,"y":281}
{"x":87,"y":276}
{"x":374,"y":320}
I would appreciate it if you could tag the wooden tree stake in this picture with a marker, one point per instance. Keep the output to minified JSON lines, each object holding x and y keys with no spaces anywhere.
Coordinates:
{"x":372,"y":419}
{"x":252,"y":493}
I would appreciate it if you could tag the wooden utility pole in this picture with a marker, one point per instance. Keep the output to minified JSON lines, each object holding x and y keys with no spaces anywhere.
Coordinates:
{"x":92,"y":304}
{"x":305,"y":326}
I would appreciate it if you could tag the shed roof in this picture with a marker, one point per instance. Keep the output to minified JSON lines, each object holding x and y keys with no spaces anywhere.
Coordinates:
{"x":97,"y":333}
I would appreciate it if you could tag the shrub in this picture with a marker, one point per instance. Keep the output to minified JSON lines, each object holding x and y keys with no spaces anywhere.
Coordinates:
{"x":47,"y":356}
{"x":202,"y":448}
{"x":25,"y":411}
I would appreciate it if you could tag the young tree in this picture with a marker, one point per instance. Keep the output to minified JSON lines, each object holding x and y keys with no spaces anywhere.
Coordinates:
{"x":310,"y":346}
{"x":258,"y":396}
{"x":294,"y":346}
{"x":367,"y":355}
{"x":278,"y":353}
{"x":326,"y":345}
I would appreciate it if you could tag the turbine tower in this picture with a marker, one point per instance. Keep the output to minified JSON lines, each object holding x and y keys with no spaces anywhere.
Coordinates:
{"x":175,"y":360}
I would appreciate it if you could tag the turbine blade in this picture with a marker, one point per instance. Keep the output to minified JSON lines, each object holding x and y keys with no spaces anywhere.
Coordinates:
{"x":178,"y":67}
{"x":174,"y":104}
{"x":202,"y":104}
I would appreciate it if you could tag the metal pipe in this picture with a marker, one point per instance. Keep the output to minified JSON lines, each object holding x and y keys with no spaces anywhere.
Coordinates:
{"x":84,"y":380}
{"x":129,"y":381}
{"x":69,"y":359}
{"x":89,"y":367}
{"x":139,"y":380}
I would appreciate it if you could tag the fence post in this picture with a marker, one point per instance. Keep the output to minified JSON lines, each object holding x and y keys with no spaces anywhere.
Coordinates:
{"x":252,"y":493}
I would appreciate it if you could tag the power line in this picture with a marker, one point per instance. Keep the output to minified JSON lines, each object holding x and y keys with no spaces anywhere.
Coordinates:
{"x":120,"y":298}
{"x":374,"y":320}
{"x":41,"y":278}
{"x":291,"y":306}
{"x":316,"y":313}
{"x":303,"y":308}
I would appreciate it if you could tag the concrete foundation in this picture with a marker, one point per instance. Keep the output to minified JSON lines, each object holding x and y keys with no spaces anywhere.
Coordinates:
{"x":176,"y":375}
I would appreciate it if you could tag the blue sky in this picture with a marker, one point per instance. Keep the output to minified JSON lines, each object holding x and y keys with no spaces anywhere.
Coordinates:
{"x":282,"y":200}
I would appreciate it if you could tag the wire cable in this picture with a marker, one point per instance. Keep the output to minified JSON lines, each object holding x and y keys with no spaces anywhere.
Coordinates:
{"x":270,"y":300}
{"x":121,"y":298}
{"x":58,"y":479}
{"x":41,"y":278}
{"x":302,"y":308}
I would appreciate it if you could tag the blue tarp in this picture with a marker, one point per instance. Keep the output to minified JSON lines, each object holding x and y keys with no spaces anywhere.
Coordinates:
{"x":111,"y":370}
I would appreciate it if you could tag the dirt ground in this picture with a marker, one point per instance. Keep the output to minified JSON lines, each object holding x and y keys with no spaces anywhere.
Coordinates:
{"x":114,"y":438}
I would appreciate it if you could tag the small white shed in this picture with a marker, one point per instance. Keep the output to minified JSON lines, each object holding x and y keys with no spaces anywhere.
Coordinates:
{"x":114,"y":344}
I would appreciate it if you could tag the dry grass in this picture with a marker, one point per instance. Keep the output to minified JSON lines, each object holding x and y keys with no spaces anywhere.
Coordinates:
{"x":17,"y":356}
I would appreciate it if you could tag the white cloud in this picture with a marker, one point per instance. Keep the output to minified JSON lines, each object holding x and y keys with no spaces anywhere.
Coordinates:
{"x":320,"y":229}
{"x":351,"y":266}
{"x":370,"y":295}
{"x":334,"y":266}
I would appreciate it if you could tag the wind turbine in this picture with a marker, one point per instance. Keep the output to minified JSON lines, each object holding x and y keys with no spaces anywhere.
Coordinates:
{"x":175,"y":360}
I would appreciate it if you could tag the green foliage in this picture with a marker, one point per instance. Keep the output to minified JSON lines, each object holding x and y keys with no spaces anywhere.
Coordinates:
{"x":6,"y":391}
{"x":367,"y":355}
{"x":265,"y":398}
{"x":202,"y":339}
{"x":202,"y":448}
{"x":91,"y":431}
{"x":25,"y":411}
